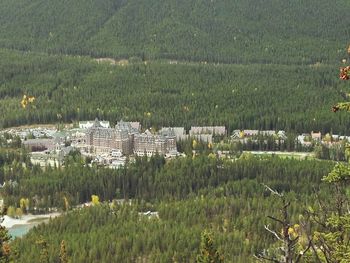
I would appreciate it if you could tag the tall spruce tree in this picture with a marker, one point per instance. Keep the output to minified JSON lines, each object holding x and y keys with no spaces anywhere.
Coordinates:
{"x":208,"y":252}
{"x":44,"y":253}
{"x":63,"y":253}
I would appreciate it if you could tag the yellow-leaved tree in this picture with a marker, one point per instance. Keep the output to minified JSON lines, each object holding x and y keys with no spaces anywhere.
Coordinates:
{"x":95,"y":200}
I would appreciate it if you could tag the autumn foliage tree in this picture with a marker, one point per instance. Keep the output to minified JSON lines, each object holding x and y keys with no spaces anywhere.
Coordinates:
{"x":208,"y":252}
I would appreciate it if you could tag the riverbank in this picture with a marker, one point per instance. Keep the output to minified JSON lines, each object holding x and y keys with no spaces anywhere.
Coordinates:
{"x":10,"y":222}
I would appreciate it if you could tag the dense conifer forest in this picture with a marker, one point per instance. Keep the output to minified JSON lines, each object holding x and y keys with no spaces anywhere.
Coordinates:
{"x":225,"y":196}
{"x":154,"y":180}
{"x":243,"y":64}
{"x":68,"y":89}
{"x":249,"y":31}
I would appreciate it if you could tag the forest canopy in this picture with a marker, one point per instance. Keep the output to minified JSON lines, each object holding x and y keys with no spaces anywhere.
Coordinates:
{"x":240,"y":31}
{"x":69,"y":89}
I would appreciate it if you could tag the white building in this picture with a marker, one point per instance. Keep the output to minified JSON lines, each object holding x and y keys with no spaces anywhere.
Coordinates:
{"x":149,"y":144}
{"x":214,"y":130}
{"x":179,"y":132}
{"x":89,"y":124}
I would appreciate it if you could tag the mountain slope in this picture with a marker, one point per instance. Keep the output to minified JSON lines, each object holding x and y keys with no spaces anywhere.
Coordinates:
{"x":271,"y":31}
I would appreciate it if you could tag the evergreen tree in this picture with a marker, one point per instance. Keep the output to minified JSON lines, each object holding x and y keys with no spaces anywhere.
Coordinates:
{"x":44,"y":253}
{"x":208,"y":252}
{"x":63,"y":253}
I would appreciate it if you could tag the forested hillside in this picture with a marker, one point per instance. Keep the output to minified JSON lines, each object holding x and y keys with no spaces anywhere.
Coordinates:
{"x":239,"y":31}
{"x":189,"y":194}
{"x":293,"y":98}
{"x":243,"y":64}
{"x":157,"y":180}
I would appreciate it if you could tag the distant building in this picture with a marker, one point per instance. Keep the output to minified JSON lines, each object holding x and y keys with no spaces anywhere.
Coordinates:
{"x":282,"y":135}
{"x":89,"y":124}
{"x":236,"y":134}
{"x":150,"y":144}
{"x":100,"y":139}
{"x":54,"y":157}
{"x":77,"y":139}
{"x":206,"y":133}
{"x":117,"y":163}
{"x":336,"y":137}
{"x":304,"y":139}
{"x":207,"y":138}
{"x":179,"y":132}
{"x":214,"y":130}
{"x":135,"y":125}
{"x":268,"y":133}
{"x":126,"y":138}
{"x":316,"y":136}
{"x":249,"y":133}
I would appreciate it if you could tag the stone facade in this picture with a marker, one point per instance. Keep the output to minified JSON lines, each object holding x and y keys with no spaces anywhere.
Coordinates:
{"x":100,"y":139}
{"x":214,"y":130}
{"x":149,"y":144}
{"x":127,"y":139}
{"x":179,"y":132}
{"x":89,"y":124}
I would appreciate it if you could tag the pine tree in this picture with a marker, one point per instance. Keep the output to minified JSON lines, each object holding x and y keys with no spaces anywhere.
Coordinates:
{"x":44,"y":253}
{"x":63,"y":253}
{"x":208,"y":252}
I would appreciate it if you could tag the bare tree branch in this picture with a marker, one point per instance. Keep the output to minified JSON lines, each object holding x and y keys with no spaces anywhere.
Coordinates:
{"x":272,"y":191}
{"x":276,"y":219}
{"x":289,"y":250}
{"x":273,"y":233}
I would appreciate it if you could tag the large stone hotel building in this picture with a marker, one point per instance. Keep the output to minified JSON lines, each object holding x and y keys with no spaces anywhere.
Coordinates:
{"x":127,"y":138}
